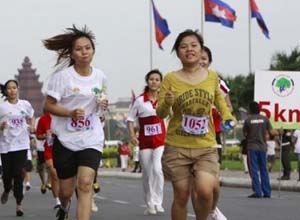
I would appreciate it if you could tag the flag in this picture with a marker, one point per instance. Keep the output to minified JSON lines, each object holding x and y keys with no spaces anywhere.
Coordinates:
{"x":132,"y":97}
{"x":260,"y":21}
{"x":161,"y":26}
{"x":219,"y":11}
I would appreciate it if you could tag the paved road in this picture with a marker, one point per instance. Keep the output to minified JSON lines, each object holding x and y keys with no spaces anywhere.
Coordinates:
{"x":122,"y":199}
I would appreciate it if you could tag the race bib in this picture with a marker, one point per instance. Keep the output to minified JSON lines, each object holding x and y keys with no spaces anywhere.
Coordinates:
{"x":16,"y":122}
{"x":194,"y":125}
{"x":152,"y":129}
{"x":80,"y":125}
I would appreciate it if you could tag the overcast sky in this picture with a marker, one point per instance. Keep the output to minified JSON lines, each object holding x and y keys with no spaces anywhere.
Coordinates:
{"x":123,"y":37}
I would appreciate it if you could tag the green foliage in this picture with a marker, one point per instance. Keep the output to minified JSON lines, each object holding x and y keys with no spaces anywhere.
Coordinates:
{"x":110,"y":152}
{"x":241,"y":91}
{"x":231,"y":153}
{"x":286,"y":62}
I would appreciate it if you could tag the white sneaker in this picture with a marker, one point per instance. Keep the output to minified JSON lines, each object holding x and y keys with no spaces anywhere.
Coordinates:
{"x":94,"y":206}
{"x":150,"y":211}
{"x":216,"y":215}
{"x":159,"y":208}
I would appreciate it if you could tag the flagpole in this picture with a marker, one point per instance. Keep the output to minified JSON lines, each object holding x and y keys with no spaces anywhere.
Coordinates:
{"x":249,"y":37}
{"x":150,"y":34}
{"x":202,"y":18}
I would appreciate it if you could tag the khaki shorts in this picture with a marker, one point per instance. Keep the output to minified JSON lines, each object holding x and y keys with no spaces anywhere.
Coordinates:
{"x":181,"y":163}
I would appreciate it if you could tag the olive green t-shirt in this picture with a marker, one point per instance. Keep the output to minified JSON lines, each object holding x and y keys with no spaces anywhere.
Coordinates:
{"x":193,"y":100}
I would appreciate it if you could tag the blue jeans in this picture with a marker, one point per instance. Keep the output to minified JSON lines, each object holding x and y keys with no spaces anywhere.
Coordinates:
{"x":257,"y":162}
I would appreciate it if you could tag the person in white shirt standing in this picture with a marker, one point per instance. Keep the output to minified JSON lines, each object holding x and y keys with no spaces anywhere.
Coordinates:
{"x":73,"y":100}
{"x":296,"y":140}
{"x":14,"y":141}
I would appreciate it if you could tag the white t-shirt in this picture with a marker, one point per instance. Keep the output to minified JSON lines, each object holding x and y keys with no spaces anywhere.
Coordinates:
{"x":39,"y":143}
{"x":297,"y":144}
{"x":271,"y":147}
{"x":16,"y":136}
{"x":74,"y":91}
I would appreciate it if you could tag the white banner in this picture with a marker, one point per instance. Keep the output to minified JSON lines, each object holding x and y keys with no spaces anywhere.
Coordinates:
{"x":278,"y":93}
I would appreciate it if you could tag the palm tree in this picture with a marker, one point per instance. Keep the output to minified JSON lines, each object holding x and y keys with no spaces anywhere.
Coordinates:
{"x":286,"y":62}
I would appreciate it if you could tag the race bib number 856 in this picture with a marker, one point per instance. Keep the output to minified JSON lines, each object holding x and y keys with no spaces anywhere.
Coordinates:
{"x":80,"y":125}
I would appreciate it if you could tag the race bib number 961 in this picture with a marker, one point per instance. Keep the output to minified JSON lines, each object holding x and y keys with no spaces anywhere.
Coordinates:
{"x":80,"y":125}
{"x":152,"y":129}
{"x":194,"y":125}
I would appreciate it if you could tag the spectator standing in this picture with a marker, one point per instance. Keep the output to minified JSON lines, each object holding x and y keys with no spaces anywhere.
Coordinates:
{"x":296,"y":140}
{"x":271,"y":151}
{"x":244,"y":154}
{"x":124,"y":153}
{"x":255,"y":128}
{"x":286,"y":145}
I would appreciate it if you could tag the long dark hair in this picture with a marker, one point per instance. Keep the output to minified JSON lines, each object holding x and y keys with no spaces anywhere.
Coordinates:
{"x":154,"y":71}
{"x":3,"y":87}
{"x":64,"y":43}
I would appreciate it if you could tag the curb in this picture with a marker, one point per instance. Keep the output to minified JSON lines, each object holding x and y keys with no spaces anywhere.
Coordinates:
{"x":290,"y":185}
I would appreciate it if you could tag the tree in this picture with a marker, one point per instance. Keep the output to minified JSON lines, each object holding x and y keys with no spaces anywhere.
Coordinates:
{"x":286,"y":62}
{"x":241,"y":91}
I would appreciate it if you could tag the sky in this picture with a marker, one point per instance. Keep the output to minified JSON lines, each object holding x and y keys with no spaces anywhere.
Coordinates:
{"x":122,"y":30}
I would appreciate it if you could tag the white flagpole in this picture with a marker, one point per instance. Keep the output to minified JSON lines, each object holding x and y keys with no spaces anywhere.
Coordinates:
{"x":150,"y":34}
{"x":202,"y":18}
{"x":249,"y":31}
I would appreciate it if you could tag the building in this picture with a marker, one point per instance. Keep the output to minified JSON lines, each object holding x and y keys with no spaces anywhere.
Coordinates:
{"x":30,"y":87}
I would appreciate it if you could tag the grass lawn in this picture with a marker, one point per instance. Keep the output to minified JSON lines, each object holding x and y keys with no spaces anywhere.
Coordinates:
{"x":238,"y":165}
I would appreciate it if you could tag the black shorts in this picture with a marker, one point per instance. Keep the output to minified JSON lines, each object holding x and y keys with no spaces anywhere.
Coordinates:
{"x":66,"y":162}
{"x":28,"y":166}
{"x":40,"y":158}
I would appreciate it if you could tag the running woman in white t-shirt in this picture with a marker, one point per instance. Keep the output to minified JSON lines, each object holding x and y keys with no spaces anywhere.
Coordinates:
{"x":14,"y":141}
{"x":76,"y":98}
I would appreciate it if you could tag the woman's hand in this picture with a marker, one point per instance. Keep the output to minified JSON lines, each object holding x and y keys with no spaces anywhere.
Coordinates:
{"x":77,"y":114}
{"x":134,"y":140}
{"x":3,"y":125}
{"x":170,"y":97}
{"x":103,"y":104}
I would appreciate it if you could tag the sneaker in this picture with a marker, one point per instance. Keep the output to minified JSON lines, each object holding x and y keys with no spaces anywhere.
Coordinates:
{"x":28,"y":186}
{"x":49,"y":186}
{"x":4,"y":197}
{"x":56,"y":206}
{"x":284,"y":178}
{"x":43,"y":188}
{"x":216,"y":215}
{"x":150,"y":211}
{"x":19,"y":211}
{"x":254,"y":195}
{"x":159,"y":208}
{"x":61,"y":214}
{"x":94,"y":206}
{"x":96,"y":187}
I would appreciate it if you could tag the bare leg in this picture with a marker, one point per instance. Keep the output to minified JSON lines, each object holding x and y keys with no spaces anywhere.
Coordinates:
{"x":181,"y":191}
{"x":204,"y":184}
{"x":85,"y":179}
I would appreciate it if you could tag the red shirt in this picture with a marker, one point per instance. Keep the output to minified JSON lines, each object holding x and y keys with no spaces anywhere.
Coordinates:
{"x":43,"y":126}
{"x":152,"y":131}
